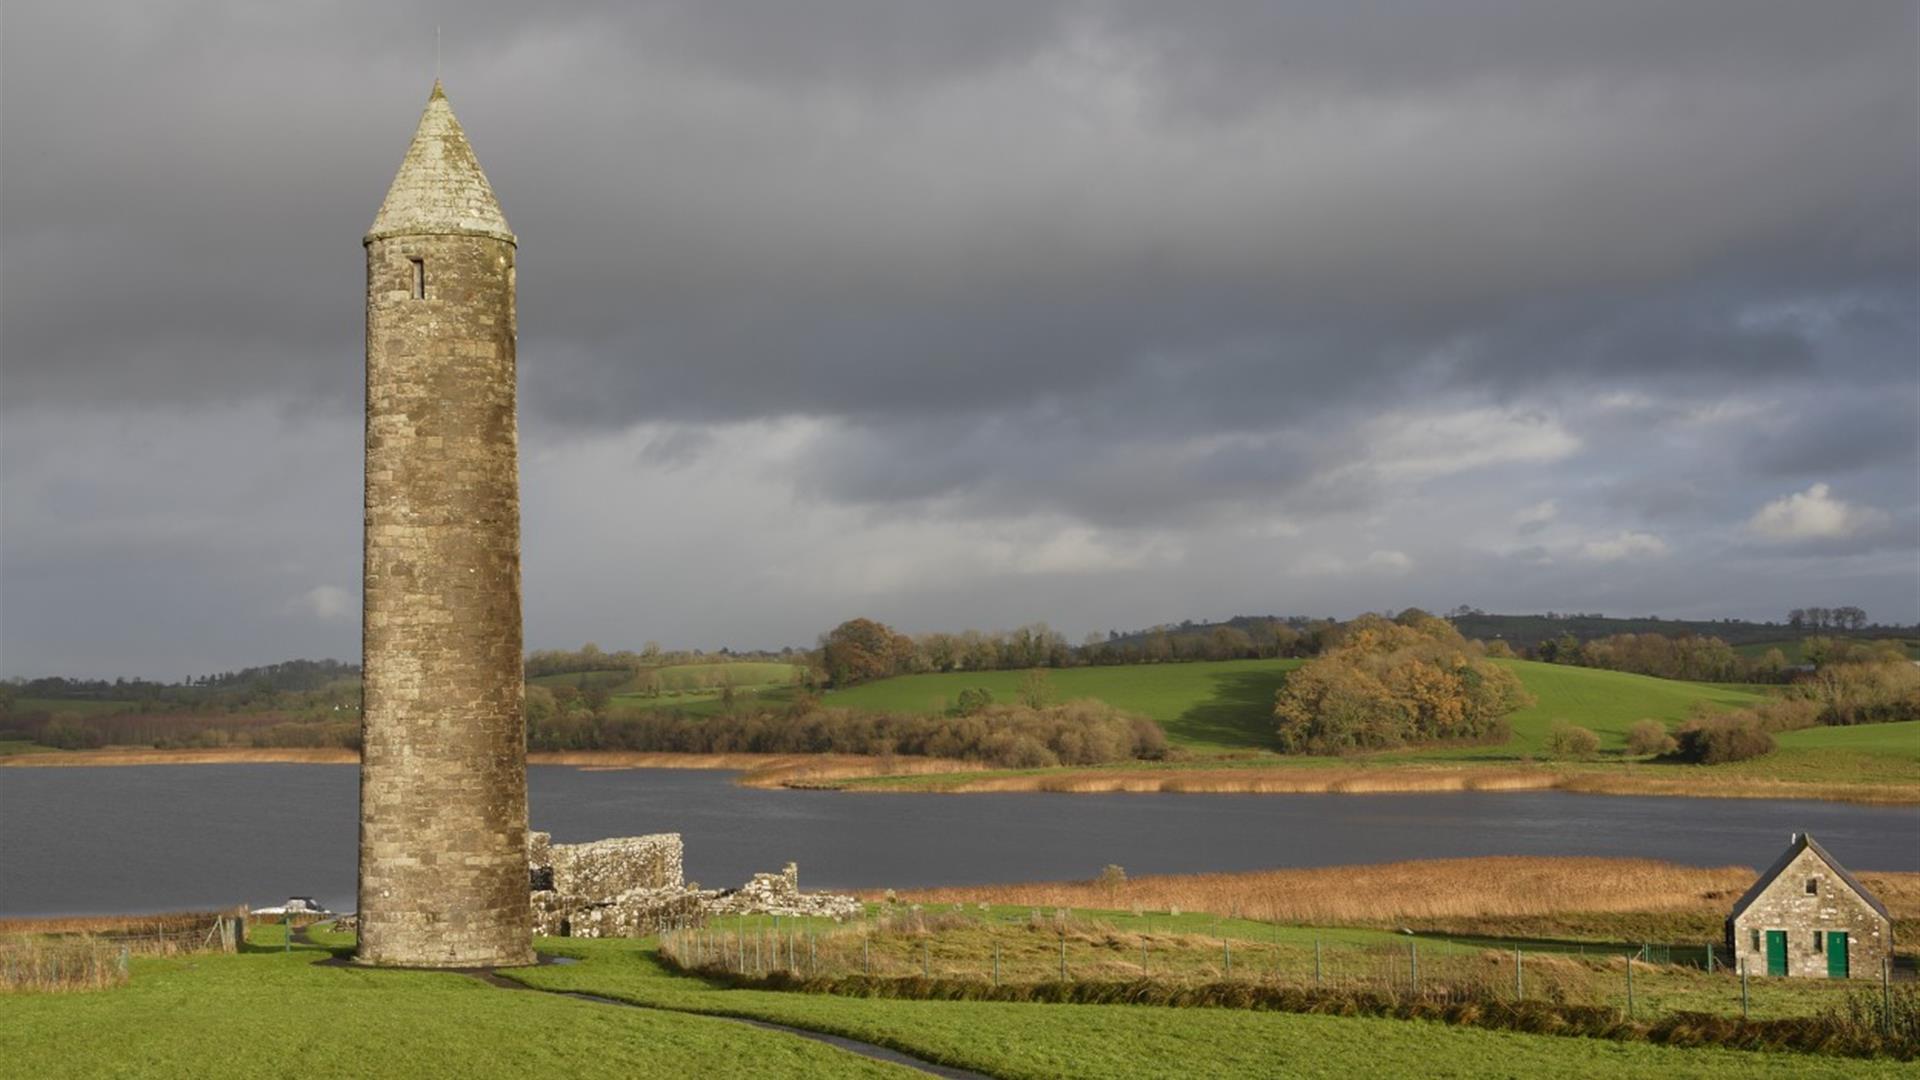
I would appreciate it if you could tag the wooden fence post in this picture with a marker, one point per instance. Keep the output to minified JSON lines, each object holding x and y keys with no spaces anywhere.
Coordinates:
{"x":1886,"y":995}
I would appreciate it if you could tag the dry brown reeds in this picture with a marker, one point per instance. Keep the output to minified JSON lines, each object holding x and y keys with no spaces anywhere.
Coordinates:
{"x":764,"y":770}
{"x":40,"y":965}
{"x":170,"y":923}
{"x":229,"y":755}
{"x":1294,"y":779}
{"x":1393,"y":893}
{"x":758,"y":770}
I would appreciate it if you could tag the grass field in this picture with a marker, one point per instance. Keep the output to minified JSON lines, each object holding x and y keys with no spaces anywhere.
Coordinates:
{"x":72,"y":707}
{"x":693,"y":688}
{"x":1210,"y":706}
{"x":22,"y":746}
{"x":1607,"y":702}
{"x":277,"y":1014}
{"x":1122,"y":1041}
{"x":1866,"y":753}
{"x":268,"y":1012}
{"x":1012,"y":945}
{"x":1227,"y":706}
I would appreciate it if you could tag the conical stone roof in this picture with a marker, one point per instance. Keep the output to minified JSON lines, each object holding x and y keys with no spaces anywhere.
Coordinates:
{"x":440,"y":188}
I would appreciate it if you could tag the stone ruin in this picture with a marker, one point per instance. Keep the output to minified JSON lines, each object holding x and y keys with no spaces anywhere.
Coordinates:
{"x":633,"y":886}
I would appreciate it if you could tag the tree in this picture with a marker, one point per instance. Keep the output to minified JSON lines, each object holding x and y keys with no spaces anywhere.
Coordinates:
{"x":974,"y":700}
{"x":1389,"y":684}
{"x":1036,"y":690}
{"x":861,"y":650}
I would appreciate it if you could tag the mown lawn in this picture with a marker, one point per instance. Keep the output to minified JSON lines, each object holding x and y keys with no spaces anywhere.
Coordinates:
{"x":267,"y":1013}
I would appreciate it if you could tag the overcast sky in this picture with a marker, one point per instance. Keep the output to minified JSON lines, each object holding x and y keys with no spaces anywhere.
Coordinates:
{"x":968,"y":314}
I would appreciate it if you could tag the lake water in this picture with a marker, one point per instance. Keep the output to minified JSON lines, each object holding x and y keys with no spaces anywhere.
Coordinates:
{"x":167,"y":837}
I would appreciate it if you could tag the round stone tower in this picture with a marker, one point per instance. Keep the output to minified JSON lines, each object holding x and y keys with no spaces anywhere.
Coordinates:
{"x":443,"y":774}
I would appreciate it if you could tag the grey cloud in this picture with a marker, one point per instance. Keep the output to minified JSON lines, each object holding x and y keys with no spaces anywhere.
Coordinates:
{"x":1149,"y":268}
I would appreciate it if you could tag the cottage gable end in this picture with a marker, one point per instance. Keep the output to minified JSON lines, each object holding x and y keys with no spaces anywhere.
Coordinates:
{"x":1807,"y":916}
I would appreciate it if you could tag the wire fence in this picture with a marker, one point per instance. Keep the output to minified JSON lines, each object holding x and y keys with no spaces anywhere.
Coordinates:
{"x":97,"y":961}
{"x":1640,"y":981}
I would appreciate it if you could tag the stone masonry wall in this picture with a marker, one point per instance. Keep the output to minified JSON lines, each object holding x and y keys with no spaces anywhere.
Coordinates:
{"x":1786,"y":905}
{"x":633,"y":886}
{"x":443,"y":833}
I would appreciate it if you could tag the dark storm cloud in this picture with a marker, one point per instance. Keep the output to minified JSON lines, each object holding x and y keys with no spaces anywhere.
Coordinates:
{"x":1162,"y":272}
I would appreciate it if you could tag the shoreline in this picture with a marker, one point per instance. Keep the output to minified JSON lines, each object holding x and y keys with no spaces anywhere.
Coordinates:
{"x":900,"y":775}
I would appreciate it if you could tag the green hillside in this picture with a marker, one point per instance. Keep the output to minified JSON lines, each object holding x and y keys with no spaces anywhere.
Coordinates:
{"x":1227,"y":705}
{"x":1210,"y":706}
{"x":1607,"y":702}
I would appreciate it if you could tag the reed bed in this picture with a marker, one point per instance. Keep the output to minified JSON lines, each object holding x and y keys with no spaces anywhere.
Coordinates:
{"x":52,"y":965}
{"x":764,"y":770}
{"x":1386,"y":893}
{"x":168,"y":923}
{"x":1313,"y":778}
{"x":170,"y":934}
{"x":758,"y":770}
{"x":143,"y":755}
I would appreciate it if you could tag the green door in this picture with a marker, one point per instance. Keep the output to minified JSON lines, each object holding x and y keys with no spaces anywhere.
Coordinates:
{"x":1836,"y":955}
{"x":1776,"y":952}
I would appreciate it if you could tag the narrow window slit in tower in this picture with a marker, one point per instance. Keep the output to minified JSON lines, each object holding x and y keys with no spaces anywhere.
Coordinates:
{"x":419,"y":278}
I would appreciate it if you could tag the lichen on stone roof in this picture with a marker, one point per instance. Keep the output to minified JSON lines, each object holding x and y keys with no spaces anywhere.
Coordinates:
{"x":440,"y":188}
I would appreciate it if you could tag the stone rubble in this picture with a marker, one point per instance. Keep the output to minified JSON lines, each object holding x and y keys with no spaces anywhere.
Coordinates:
{"x":633,"y":886}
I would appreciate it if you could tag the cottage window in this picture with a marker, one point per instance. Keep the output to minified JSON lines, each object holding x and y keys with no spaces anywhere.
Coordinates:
{"x":1818,"y":945}
{"x":1756,"y":941}
{"x":420,"y":293}
{"x":1813,"y":886}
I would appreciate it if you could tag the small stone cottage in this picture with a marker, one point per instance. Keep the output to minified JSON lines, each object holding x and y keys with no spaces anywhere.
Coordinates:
{"x":1808,"y":917}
